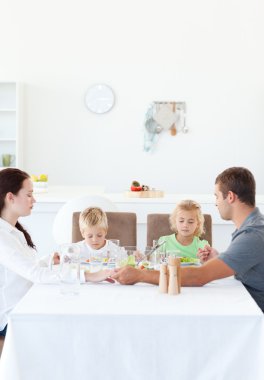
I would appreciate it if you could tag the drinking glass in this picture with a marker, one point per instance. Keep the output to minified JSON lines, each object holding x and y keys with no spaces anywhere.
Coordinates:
{"x":150,"y":258}
{"x":174,"y":253}
{"x":115,"y":241}
{"x":69,"y":269}
{"x":113,"y":253}
{"x":122,"y":258}
{"x":132,"y":255}
{"x":159,"y":256}
{"x":53,"y":263}
{"x":130,"y":249}
{"x":155,"y":260}
{"x":96,"y":262}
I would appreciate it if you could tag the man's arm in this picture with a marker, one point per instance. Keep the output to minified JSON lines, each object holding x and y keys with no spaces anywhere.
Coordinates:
{"x":190,"y":276}
{"x":130,"y":276}
{"x":211,"y":270}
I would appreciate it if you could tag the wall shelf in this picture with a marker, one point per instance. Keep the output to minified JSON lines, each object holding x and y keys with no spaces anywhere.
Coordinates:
{"x":10,"y":121}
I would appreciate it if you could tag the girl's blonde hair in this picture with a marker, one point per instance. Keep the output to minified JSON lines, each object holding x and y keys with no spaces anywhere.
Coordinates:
{"x":188,"y":205}
{"x":93,"y":216}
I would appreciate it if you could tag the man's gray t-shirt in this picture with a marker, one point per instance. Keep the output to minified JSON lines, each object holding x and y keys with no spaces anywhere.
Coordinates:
{"x":245,"y":255}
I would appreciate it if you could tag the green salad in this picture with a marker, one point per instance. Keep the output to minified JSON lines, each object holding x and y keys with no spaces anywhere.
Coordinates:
{"x":189,"y":260}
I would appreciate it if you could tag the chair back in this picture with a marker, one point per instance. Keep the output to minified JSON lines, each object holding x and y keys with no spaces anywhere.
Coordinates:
{"x":121,"y":226}
{"x":158,"y":225}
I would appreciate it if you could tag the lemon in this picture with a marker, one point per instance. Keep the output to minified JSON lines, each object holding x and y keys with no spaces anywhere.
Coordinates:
{"x":43,"y":178}
{"x":34,"y":178}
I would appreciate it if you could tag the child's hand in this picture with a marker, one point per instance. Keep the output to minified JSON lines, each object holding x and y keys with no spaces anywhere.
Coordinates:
{"x":56,"y":258}
{"x":102,"y":275}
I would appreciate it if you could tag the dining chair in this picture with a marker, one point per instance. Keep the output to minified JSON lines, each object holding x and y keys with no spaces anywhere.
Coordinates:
{"x":158,"y":225}
{"x":121,"y":226}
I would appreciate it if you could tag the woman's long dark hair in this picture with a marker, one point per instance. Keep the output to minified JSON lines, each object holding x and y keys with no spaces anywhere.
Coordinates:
{"x":11,"y":180}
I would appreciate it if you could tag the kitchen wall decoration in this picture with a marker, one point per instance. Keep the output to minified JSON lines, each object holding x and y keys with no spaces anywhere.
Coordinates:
{"x":163,"y":116}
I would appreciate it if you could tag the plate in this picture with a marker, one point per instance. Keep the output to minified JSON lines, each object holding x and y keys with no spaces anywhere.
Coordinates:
{"x":184,"y":264}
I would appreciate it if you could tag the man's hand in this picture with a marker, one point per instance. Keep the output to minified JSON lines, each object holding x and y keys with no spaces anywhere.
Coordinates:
{"x":127,"y":275}
{"x":207,"y":253}
{"x":130,"y":276}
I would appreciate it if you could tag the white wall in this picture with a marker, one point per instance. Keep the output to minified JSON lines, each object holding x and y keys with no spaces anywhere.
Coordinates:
{"x":208,"y":53}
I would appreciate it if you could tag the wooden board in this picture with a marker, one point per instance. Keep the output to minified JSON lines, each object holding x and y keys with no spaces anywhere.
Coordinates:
{"x":145,"y":194}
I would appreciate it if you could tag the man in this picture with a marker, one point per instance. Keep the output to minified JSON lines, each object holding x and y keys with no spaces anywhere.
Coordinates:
{"x":235,"y":190}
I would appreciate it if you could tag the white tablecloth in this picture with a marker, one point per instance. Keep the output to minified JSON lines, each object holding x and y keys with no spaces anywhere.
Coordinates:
{"x":215,"y":332}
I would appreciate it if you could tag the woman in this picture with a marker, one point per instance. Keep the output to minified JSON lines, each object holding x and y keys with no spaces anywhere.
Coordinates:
{"x":19,"y":265}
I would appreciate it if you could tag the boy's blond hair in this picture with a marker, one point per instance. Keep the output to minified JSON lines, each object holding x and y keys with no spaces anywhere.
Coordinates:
{"x":188,"y":205}
{"x":93,"y":216}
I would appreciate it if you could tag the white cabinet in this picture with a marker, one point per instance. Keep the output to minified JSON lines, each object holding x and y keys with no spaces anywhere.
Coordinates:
{"x":10,"y":125}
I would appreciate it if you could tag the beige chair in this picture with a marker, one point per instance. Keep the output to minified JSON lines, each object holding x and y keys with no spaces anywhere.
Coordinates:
{"x":158,"y":225}
{"x":121,"y":226}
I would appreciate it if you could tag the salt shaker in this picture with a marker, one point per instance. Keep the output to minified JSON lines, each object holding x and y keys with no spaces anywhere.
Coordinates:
{"x":173,"y":287}
{"x":163,"y":279}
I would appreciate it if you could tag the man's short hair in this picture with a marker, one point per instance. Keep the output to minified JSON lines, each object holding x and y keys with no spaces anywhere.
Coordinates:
{"x":240,"y":181}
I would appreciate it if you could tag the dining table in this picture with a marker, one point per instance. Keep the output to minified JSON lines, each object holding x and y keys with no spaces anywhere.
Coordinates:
{"x":112,"y":331}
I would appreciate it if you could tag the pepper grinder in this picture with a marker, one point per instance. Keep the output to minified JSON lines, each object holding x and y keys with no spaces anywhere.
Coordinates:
{"x":173,"y":287}
{"x":179,"y":273}
{"x":163,"y":279}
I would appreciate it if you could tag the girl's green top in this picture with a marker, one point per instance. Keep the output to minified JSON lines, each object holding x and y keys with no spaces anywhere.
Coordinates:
{"x":171,"y":244}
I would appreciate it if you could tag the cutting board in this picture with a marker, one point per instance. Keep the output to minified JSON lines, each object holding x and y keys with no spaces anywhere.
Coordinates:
{"x":145,"y":194}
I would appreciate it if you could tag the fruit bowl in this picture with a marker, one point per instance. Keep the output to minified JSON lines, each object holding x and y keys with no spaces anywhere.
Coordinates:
{"x":40,"y":183}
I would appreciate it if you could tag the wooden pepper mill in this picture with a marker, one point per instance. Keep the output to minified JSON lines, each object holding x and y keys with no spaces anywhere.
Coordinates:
{"x":173,"y":129}
{"x":174,"y":286}
{"x":163,"y":279}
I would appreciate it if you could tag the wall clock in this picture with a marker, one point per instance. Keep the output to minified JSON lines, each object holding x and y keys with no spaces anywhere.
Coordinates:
{"x":99,"y":98}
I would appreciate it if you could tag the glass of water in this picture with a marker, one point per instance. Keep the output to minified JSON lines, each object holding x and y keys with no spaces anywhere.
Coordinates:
{"x":96,"y":261}
{"x":113,"y":253}
{"x":69,"y":269}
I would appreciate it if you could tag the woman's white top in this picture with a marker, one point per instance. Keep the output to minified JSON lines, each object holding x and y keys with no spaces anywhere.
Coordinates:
{"x":19,"y":269}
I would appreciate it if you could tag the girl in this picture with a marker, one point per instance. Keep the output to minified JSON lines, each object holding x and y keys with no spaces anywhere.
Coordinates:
{"x":187,"y":222}
{"x":19,"y":265}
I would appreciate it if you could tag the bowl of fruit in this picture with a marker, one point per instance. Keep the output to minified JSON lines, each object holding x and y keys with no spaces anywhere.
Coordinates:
{"x":40,"y":183}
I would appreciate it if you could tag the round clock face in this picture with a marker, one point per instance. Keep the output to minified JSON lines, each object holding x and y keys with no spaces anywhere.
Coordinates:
{"x":99,"y":98}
